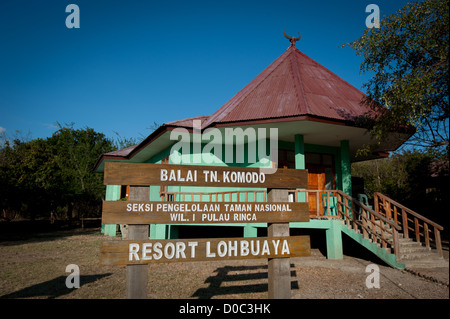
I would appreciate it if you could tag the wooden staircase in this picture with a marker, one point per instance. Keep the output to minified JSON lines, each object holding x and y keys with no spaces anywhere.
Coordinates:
{"x":414,"y":254}
{"x":397,"y":235}
{"x":384,"y":253}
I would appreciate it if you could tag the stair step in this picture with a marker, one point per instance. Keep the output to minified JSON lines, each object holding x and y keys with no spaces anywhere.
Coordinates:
{"x":416,"y":250}
{"x":400,"y":236}
{"x":408,"y":242}
{"x":424,"y":263}
{"x":412,"y":253}
{"x":419,"y":255}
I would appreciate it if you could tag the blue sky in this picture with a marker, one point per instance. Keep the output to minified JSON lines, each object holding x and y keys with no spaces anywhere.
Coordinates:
{"x":133,"y":63}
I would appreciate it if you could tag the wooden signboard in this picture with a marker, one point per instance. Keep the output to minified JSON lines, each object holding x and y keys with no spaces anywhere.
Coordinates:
{"x":132,"y":252}
{"x":138,"y":213}
{"x":117,"y":173}
{"x":144,"y":213}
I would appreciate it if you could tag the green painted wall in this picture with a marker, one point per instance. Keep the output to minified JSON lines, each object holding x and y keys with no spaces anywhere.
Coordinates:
{"x":300,"y":163}
{"x":346,"y":167}
{"x":112,"y":193}
{"x":189,"y":160}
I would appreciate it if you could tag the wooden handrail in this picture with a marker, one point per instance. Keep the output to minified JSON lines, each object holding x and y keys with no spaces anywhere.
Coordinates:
{"x":308,"y":192}
{"x":409,"y":211}
{"x":371,"y":222}
{"x":407,"y":216}
{"x":359,"y":221}
{"x":370,"y":210}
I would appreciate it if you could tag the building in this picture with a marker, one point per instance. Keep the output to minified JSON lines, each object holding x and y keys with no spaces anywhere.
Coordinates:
{"x":316,"y":114}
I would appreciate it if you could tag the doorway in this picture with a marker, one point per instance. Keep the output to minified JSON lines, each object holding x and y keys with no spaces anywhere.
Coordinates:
{"x":321,"y":176}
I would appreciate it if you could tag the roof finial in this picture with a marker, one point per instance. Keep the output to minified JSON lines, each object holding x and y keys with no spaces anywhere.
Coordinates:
{"x":292,"y":39}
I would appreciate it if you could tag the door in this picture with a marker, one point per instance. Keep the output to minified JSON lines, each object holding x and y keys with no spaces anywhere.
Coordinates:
{"x":321,"y":176}
{"x":316,"y":181}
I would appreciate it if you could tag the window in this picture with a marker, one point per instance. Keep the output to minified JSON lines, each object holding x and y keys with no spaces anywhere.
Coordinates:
{"x":286,"y":158}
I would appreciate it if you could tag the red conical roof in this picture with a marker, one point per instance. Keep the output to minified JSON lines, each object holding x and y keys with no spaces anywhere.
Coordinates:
{"x":293,"y":85}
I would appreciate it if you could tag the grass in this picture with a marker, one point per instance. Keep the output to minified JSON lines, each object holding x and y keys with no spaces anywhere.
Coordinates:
{"x":34,"y":267}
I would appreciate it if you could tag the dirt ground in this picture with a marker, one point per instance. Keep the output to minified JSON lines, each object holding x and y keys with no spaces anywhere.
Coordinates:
{"x":35,"y":268}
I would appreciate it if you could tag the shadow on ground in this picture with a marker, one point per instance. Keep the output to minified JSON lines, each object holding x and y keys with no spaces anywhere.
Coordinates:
{"x":53,"y":288}
{"x":223,"y":275}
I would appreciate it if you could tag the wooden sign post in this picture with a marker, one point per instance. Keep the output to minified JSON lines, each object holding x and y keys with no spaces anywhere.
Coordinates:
{"x":139,"y":212}
{"x":279,"y":268}
{"x":137,"y":275}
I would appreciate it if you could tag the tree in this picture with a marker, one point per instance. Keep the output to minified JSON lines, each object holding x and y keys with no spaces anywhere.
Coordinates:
{"x":74,"y":154}
{"x":54,"y":175}
{"x":416,"y":179}
{"x":25,"y":177}
{"x":408,"y":56}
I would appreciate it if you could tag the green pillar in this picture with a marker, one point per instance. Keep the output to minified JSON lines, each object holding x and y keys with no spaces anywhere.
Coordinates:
{"x":334,"y":240}
{"x":299,"y":152}
{"x":346,"y":170}
{"x":158,"y":231}
{"x":112,"y":193}
{"x":300,"y":159}
{"x":346,"y":167}
{"x":250,"y":231}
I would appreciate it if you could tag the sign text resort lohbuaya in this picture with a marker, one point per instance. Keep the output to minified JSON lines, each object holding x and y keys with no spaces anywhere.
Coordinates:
{"x":129,"y":252}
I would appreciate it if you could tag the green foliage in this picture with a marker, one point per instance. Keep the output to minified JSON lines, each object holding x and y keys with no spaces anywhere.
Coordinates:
{"x":418,"y":180}
{"x":123,"y":142}
{"x":54,"y":175}
{"x":408,"y":57}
